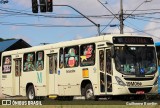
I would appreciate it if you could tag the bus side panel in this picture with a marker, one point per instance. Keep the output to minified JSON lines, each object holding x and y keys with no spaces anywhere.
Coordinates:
{"x":7,"y":76}
{"x":71,"y":90}
{"x":69,"y":82}
{"x":40,"y":83}
{"x":41,"y":91}
{"x":7,"y":84}
{"x":37,"y":79}
{"x":61,"y":90}
{"x":70,"y":79}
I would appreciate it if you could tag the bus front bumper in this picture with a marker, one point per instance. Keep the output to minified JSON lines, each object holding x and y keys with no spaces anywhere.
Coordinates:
{"x":125,"y":90}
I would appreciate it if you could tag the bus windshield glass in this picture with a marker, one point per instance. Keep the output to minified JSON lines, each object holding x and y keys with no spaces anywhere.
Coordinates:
{"x":135,"y":60}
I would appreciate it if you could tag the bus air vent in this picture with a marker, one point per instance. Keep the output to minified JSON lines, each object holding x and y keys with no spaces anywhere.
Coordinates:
{"x":139,"y":79}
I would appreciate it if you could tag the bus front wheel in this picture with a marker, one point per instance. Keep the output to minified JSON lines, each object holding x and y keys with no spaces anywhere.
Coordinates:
{"x":89,"y":95}
{"x":30,"y":93}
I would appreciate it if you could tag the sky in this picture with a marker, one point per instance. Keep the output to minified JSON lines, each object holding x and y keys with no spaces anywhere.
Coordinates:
{"x":18,"y":21}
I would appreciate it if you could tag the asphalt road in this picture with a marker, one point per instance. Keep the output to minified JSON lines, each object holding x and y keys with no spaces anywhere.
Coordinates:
{"x":101,"y":101}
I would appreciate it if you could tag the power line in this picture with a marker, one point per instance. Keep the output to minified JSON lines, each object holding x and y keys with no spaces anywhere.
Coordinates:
{"x":14,"y":13}
{"x":151,"y":29}
{"x":107,"y":25}
{"x":137,"y":8}
{"x":138,"y":30}
{"x":142,"y":32}
{"x":142,"y":19}
{"x":143,"y":10}
{"x":44,"y":25}
{"x":10,"y":13}
{"x":108,"y":9}
{"x":147,"y":13}
{"x":147,"y":17}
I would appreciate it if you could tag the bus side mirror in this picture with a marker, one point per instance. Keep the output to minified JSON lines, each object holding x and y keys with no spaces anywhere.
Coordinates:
{"x":113,"y":55}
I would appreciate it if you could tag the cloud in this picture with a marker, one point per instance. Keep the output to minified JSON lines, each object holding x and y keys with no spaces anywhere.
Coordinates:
{"x":93,"y":7}
{"x":23,"y":3}
{"x":153,"y":29}
{"x":25,"y":38}
{"x":14,"y":28}
{"x":116,"y":30}
{"x":78,"y":37}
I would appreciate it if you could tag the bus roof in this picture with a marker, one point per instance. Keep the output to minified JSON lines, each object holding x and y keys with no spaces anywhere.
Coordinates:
{"x":107,"y":38}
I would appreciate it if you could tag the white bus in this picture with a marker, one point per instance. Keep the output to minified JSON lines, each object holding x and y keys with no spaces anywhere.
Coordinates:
{"x":107,"y":65}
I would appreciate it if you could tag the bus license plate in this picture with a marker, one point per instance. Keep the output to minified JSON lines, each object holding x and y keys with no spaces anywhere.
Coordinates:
{"x":140,"y":92}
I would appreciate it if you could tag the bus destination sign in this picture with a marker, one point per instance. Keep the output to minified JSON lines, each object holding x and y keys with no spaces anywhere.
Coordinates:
{"x":132,"y":40}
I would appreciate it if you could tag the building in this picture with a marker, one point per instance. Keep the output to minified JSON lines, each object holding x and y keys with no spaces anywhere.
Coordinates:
{"x":8,"y":45}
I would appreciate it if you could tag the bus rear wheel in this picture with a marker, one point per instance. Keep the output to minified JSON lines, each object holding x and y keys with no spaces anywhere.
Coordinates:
{"x":30,"y":93}
{"x":89,"y":95}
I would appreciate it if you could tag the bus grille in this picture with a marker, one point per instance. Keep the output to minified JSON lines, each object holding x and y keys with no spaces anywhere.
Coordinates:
{"x":139,"y":79}
{"x":134,"y":90}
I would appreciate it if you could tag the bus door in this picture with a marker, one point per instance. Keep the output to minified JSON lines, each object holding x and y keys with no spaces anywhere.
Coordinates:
{"x":105,"y":68}
{"x":52,"y":59}
{"x":17,"y":74}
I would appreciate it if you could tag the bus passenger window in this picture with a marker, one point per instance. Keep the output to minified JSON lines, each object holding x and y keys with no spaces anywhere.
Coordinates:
{"x":108,"y":61}
{"x":61,"y":58}
{"x":28,"y":62}
{"x":109,"y":83}
{"x":71,"y":56}
{"x":87,"y":54}
{"x":39,"y":60}
{"x":6,"y":68}
{"x":18,"y":67}
{"x":102,"y":83}
{"x":55,"y":63}
{"x":101,"y":60}
{"x":51,"y":64}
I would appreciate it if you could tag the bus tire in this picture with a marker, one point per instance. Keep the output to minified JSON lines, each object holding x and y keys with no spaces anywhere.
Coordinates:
{"x":89,"y":95}
{"x":30,"y":93}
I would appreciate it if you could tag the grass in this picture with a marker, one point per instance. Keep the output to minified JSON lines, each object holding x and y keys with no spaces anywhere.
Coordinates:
{"x":82,"y":106}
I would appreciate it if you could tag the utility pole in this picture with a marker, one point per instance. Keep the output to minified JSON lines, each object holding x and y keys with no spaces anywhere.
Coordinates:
{"x":121,"y":17}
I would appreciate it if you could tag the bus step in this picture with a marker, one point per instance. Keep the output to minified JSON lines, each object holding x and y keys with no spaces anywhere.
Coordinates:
{"x":52,"y":96}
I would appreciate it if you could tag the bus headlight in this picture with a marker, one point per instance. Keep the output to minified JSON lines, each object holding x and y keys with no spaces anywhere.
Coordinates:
{"x":156,"y":81}
{"x":120,"y":82}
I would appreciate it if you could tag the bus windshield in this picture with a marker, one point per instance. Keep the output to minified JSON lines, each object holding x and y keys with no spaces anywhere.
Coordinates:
{"x":135,"y":60}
